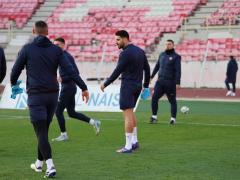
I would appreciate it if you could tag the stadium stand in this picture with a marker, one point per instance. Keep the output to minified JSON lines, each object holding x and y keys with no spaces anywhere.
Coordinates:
{"x":17,"y":11}
{"x":218,"y":49}
{"x":88,"y":25}
{"x":226,"y":14}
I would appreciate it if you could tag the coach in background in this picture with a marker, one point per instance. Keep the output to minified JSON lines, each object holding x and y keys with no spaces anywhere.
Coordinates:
{"x":168,"y":67}
{"x":41,"y":59}
{"x":3,"y":66}
{"x":231,"y":75}
{"x":131,"y":64}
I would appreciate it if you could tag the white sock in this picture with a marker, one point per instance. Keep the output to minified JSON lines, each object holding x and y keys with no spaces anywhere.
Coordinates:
{"x":38,"y":163}
{"x":91,"y":121}
{"x":64,"y":133}
{"x":49,"y":163}
{"x":154,"y":116}
{"x":134,"y":136}
{"x":128,"y":144}
{"x":172,"y":118}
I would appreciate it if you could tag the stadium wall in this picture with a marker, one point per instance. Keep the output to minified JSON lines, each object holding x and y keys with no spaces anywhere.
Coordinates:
{"x":213,"y":73}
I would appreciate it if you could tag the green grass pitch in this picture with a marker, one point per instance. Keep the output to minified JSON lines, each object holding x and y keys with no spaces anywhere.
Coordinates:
{"x":205,"y":144}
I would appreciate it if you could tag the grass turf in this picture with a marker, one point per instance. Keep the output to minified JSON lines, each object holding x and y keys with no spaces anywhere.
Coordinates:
{"x":203,"y":145}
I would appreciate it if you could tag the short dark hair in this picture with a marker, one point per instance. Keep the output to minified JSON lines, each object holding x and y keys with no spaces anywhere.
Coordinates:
{"x":122,"y":34}
{"x":170,"y":40}
{"x":41,"y":27}
{"x":60,"y":39}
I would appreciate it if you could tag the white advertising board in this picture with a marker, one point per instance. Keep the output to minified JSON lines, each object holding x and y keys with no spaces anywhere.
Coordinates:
{"x":99,"y":101}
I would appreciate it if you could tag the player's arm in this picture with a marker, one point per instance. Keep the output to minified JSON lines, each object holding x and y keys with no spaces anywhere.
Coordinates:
{"x":228,"y":69}
{"x":67,"y":66}
{"x":18,"y":66}
{"x":122,"y":64}
{"x":85,"y":93}
{"x":3,"y":66}
{"x":83,"y":86}
{"x":146,"y":73}
{"x":156,"y":68}
{"x":178,"y":71}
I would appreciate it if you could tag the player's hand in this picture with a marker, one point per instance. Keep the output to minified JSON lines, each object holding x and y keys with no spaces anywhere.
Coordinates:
{"x":150,"y":81}
{"x":85,"y":96}
{"x":102,"y":87}
{"x":59,"y":79}
{"x":178,"y":86}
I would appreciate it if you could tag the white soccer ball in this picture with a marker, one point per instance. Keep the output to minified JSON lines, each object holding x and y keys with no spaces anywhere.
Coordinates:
{"x":184,"y":109}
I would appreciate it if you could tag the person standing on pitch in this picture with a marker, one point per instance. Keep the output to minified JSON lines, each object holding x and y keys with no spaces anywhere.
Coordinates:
{"x":231,"y":75}
{"x":168,"y":67}
{"x":67,"y":96}
{"x":41,"y":58}
{"x":131,"y":64}
{"x":3,"y":66}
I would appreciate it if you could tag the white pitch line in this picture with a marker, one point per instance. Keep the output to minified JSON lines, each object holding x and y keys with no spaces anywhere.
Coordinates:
{"x":210,"y":124}
{"x":4,"y":117}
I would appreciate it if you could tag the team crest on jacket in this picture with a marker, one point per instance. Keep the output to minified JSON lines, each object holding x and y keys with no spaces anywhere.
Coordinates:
{"x":170,"y":58}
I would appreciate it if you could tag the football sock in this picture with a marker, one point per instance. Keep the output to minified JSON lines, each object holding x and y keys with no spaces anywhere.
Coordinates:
{"x":154,"y":116}
{"x":128,"y":144}
{"x":172,"y":118}
{"x":38,"y":163}
{"x":49,"y":163}
{"x":134,"y":136}
{"x":91,"y":121}
{"x":64,"y":133}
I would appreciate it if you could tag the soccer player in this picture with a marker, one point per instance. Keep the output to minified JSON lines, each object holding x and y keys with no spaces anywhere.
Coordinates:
{"x":168,"y":67}
{"x":131,"y":64}
{"x":2,"y":65}
{"x":231,"y":75}
{"x":67,"y":96}
{"x":41,"y":59}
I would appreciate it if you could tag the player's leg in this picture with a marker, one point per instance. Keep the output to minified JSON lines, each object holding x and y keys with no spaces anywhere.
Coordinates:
{"x":80,"y":116}
{"x":127,"y":104}
{"x":233,"y":89}
{"x":38,"y":115}
{"x":51,"y":107}
{"x":171,"y":95}
{"x":61,"y":122}
{"x":135,"y":143}
{"x":157,"y":94}
{"x":62,"y":104}
{"x":36,"y":108}
{"x":228,"y":88}
{"x":128,"y":122}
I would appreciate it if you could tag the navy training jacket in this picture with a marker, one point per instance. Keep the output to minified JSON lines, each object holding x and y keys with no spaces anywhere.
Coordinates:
{"x":64,"y":75}
{"x":168,"y":67}
{"x":232,"y":69}
{"x":3,"y":66}
{"x":41,"y":59}
{"x":132,"y":61}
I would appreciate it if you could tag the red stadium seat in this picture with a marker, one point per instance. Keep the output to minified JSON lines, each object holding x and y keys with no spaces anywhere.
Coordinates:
{"x":219,"y":49}
{"x":100,"y":23}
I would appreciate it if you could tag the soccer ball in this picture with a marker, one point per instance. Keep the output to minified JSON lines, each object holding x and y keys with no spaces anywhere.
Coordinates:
{"x":184,"y":109}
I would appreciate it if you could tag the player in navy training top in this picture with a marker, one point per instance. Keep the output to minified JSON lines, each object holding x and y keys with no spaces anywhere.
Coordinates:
{"x":131,"y":64}
{"x":41,"y":58}
{"x":3,"y":66}
{"x":67,"y":96}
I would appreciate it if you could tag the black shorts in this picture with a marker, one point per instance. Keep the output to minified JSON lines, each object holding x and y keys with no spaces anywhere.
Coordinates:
{"x":129,"y":94}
